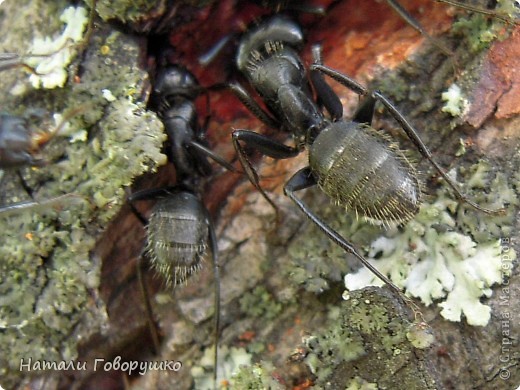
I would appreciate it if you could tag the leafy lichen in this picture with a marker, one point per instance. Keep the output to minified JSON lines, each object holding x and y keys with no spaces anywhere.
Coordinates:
{"x":49,"y":57}
{"x":447,"y":254}
{"x":456,"y":104}
{"x":127,"y":10}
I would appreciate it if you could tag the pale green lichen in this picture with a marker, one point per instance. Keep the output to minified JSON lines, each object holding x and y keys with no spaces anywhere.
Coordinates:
{"x":260,"y":303}
{"x":456,"y":104}
{"x":229,"y":364}
{"x":358,"y":383}
{"x":315,"y":261}
{"x":254,"y":377}
{"x":327,"y":352}
{"x":447,"y":254}
{"x":49,"y":57}
{"x":481,"y":31}
{"x":420,"y":335}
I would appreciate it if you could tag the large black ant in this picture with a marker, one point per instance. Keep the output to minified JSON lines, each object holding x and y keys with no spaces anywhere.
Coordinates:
{"x":357,"y":166}
{"x":180,"y":230}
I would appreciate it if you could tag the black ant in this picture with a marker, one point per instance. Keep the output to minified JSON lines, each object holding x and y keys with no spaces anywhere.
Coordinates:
{"x":180,"y":230}
{"x":21,"y":146}
{"x":357,"y":166}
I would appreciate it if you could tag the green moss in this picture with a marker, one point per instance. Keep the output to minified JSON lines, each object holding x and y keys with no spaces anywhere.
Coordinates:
{"x":477,"y":32}
{"x":480,"y":30}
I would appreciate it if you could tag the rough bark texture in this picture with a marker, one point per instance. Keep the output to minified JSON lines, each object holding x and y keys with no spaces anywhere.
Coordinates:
{"x":281,"y":283}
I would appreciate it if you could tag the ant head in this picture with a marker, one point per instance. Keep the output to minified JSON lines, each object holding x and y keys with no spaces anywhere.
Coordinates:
{"x":175,"y":80}
{"x":274,"y":29}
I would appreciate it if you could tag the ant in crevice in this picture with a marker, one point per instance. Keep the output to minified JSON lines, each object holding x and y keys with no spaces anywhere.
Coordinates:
{"x":179,"y":229}
{"x":354,"y":164}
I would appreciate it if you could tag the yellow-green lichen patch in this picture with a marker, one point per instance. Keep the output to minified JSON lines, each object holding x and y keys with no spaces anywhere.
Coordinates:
{"x":259,"y":303}
{"x":127,"y":11}
{"x":365,"y":337}
{"x":48,"y":277}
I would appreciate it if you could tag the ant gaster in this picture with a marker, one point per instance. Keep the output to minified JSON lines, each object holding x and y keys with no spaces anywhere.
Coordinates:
{"x":179,"y":230}
{"x":357,"y":166}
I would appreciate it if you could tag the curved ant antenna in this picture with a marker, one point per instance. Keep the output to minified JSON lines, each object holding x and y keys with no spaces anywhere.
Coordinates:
{"x":491,"y":13}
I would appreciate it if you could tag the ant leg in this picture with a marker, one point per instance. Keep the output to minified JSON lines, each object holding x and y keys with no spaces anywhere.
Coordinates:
{"x":143,"y":195}
{"x":208,"y":57}
{"x":326,"y":95}
{"x":215,"y":157}
{"x":251,"y":104}
{"x":344,"y":80}
{"x":414,"y":23}
{"x":264,"y":145}
{"x":56,"y":203}
{"x":479,"y":10}
{"x":304,"y":179}
{"x":147,"y":194}
{"x":216,"y":275}
{"x":425,"y":152}
{"x":13,"y":60}
{"x":407,"y":128}
{"x":365,"y":111}
{"x":147,"y":304}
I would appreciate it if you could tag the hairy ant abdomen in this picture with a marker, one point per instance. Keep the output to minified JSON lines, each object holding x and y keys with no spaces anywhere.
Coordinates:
{"x":177,"y":229}
{"x":361,"y":169}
